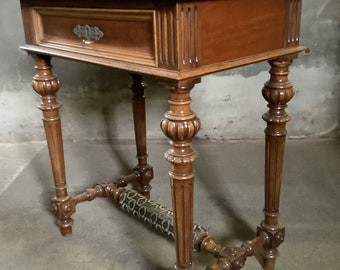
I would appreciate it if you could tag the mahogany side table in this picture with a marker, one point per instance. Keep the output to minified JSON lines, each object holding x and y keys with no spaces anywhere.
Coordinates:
{"x":177,"y":41}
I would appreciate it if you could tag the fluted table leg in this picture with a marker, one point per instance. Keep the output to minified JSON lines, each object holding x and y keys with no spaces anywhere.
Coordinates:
{"x":180,"y":125}
{"x":277,"y":91}
{"x":46,"y":84}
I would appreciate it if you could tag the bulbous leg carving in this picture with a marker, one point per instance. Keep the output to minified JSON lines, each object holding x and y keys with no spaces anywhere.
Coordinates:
{"x":46,"y":84}
{"x":181,"y":125}
{"x":277,"y":91}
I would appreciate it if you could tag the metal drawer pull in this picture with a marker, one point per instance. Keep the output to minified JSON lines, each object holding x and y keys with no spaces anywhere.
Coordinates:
{"x":88,"y":33}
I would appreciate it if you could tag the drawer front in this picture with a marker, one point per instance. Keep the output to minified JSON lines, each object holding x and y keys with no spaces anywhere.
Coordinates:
{"x":124,"y":35}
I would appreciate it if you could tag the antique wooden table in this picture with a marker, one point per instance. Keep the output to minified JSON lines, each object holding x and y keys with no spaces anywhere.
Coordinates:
{"x":177,"y":41}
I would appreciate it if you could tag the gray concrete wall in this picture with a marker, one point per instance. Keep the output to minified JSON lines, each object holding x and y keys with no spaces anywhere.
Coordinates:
{"x":97,"y":100}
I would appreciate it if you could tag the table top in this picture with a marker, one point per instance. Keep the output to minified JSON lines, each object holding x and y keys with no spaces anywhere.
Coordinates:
{"x":172,"y":39}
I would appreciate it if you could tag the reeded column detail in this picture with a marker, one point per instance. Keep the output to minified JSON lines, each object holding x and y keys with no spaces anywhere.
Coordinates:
{"x":46,"y":84}
{"x":181,"y":125}
{"x":278,"y":91}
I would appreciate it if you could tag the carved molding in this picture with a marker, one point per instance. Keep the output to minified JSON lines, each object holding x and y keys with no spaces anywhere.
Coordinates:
{"x":178,"y":36}
{"x":278,"y":91}
{"x":45,"y":83}
{"x":188,"y":40}
{"x":167,"y":55}
{"x":180,"y":130}
{"x":180,"y":123}
{"x":293,"y":16}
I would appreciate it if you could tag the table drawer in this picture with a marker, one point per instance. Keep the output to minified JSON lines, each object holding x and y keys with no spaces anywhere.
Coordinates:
{"x":119,"y":34}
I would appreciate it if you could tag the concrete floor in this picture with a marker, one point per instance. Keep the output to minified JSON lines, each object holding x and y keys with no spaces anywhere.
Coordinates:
{"x":228,"y":202}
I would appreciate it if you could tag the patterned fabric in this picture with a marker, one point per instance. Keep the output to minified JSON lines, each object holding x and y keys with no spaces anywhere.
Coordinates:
{"x":151,"y":212}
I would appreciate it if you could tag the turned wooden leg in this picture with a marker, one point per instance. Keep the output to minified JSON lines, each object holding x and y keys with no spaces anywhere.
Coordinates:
{"x":277,"y":91}
{"x":46,"y":84}
{"x":181,"y":125}
{"x":144,"y":170}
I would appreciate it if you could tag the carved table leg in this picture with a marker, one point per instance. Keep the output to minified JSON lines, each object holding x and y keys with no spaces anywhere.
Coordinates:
{"x":277,"y":91}
{"x":181,"y":125}
{"x":46,"y":84}
{"x":144,"y":170}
